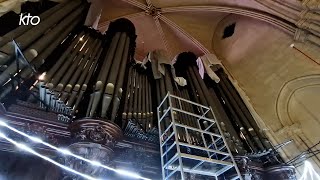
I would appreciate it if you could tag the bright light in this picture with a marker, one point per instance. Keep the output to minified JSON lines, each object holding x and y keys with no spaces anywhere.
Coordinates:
{"x":128,"y":173}
{"x":28,"y":149}
{"x":2,"y":135}
{"x":3,"y":123}
{"x":35,"y":139}
{"x":308,"y":169}
{"x":69,"y":153}
{"x":42,"y":76}
{"x":96,"y":163}
{"x":65,"y":151}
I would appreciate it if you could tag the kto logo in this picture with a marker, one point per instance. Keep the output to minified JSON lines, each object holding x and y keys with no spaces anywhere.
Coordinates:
{"x":28,"y":19}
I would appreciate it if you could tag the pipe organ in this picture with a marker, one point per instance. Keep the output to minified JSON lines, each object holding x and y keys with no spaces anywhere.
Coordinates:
{"x":88,"y":93}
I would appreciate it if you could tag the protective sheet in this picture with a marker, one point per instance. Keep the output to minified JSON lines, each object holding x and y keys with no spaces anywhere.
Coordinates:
{"x":209,"y":62}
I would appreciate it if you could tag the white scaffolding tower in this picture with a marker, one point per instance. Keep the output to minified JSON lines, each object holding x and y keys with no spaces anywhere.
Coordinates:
{"x":191,"y":143}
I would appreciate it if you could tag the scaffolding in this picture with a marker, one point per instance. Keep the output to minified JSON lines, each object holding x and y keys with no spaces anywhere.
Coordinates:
{"x":191,"y":144}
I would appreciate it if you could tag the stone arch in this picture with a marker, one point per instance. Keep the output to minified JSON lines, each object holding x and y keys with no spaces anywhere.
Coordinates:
{"x":298,"y":85}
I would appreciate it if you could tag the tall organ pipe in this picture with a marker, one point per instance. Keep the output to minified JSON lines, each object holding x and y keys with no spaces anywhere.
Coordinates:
{"x":138,"y":111}
{"x":76,"y":70}
{"x":39,"y":60}
{"x":242,"y":108}
{"x":86,"y":71}
{"x":62,"y":58}
{"x":203,"y":92}
{"x":119,"y":89}
{"x":233,"y":105}
{"x":237,"y":120}
{"x":219,"y":112}
{"x":22,"y":29}
{"x":85,"y":84}
{"x":32,"y":51}
{"x":57,"y":76}
{"x":111,"y":82}
{"x":132,"y":93}
{"x":128,"y":94}
{"x":136,"y":92}
{"x":99,"y":87}
{"x":73,"y":65}
{"x":28,"y":37}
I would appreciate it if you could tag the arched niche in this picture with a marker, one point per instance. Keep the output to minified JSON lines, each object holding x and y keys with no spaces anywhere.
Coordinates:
{"x":297,"y":109}
{"x":298,"y":103}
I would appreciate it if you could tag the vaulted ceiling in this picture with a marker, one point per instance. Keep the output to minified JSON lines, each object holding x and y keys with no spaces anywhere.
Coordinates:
{"x":178,"y":25}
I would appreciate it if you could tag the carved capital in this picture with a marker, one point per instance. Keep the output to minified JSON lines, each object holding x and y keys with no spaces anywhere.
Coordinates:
{"x":300,"y":35}
{"x":311,"y":4}
{"x":303,"y":24}
{"x":95,"y":131}
{"x":290,"y":130}
{"x":308,"y":15}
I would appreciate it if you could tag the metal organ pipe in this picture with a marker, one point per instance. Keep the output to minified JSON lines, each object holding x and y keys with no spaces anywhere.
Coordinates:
{"x":61,"y":70}
{"x":248,"y":115}
{"x":28,"y":37}
{"x":77,"y":69}
{"x":22,"y":29}
{"x":242,"y":117}
{"x":39,"y":60}
{"x":73,"y":65}
{"x":132,"y":94}
{"x":111,"y":82}
{"x":32,"y":51}
{"x":128,"y":94}
{"x":99,"y":87}
{"x":120,"y":80}
{"x":87,"y":72}
{"x":62,"y":58}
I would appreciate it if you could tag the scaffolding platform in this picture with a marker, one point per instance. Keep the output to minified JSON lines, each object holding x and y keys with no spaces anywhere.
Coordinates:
{"x":191,"y":143}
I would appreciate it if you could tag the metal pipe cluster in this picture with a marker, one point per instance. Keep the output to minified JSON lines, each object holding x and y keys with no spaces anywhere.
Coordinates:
{"x":37,"y":42}
{"x":69,"y":77}
{"x":108,"y":87}
{"x":239,"y":113}
{"x":186,"y":67}
{"x":138,"y":104}
{"x":48,"y":100}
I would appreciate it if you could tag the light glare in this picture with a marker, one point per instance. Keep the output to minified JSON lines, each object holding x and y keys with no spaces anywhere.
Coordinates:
{"x":66,"y":152}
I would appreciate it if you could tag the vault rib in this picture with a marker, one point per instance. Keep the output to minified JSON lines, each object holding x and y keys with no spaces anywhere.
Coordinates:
{"x":182,"y":31}
{"x":149,"y":3}
{"x":136,"y":4}
{"x":165,"y":42}
{"x":289,"y":28}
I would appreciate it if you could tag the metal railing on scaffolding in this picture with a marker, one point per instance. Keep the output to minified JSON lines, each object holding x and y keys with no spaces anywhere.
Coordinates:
{"x":191,"y":144}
